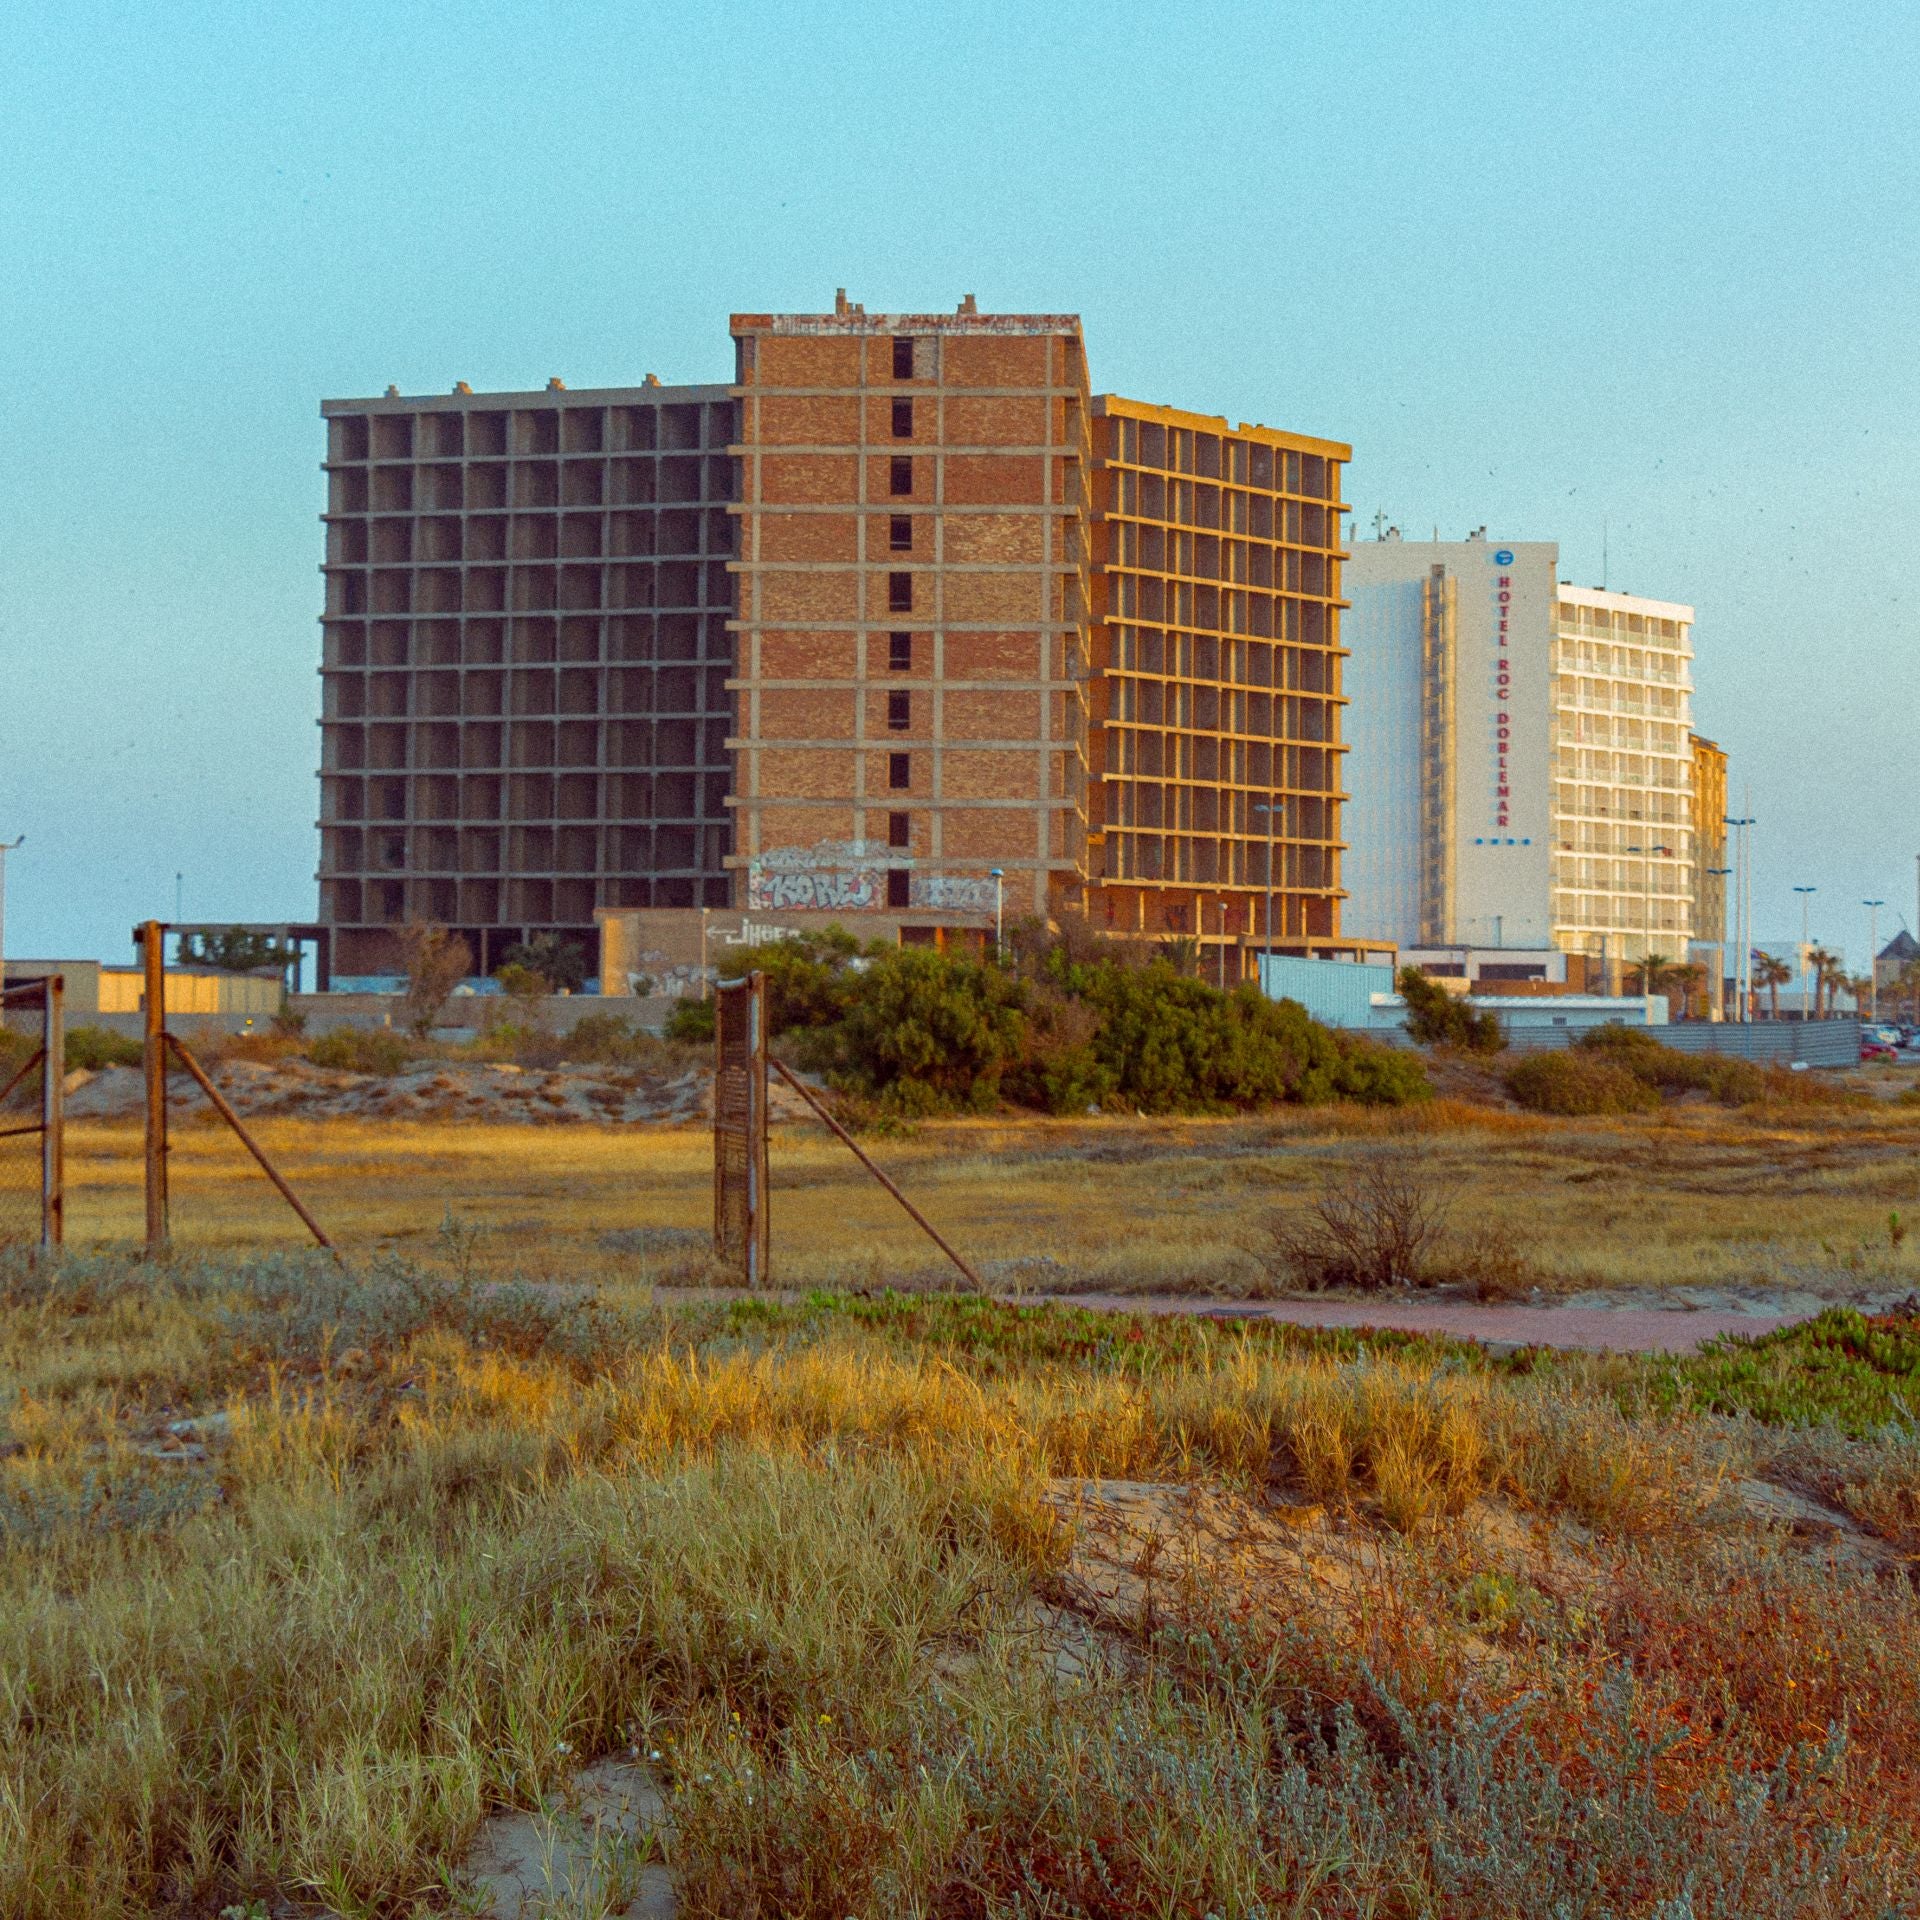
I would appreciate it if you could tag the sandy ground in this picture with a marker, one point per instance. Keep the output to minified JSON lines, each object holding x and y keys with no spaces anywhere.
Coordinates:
{"x":435,"y":1090}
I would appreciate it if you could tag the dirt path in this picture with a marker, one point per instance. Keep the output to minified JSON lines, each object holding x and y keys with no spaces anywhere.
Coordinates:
{"x":1594,"y":1329}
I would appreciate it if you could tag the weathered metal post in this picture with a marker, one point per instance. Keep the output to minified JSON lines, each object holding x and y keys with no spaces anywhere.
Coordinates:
{"x":740,"y":1126}
{"x":152,"y":941}
{"x":53,"y":1118}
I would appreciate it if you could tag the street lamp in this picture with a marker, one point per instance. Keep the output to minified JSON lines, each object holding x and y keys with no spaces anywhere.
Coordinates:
{"x":6,"y":847}
{"x":1806,"y":895}
{"x":1720,"y":950}
{"x":1646,"y":967}
{"x":1743,"y":908}
{"x":998,"y":875}
{"x":1873,"y":956}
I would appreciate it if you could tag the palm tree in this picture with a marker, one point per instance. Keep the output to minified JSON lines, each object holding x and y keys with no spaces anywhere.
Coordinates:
{"x":1654,"y":968}
{"x":1907,"y":981}
{"x":1773,"y":973}
{"x":1687,"y":981}
{"x":1826,"y":969}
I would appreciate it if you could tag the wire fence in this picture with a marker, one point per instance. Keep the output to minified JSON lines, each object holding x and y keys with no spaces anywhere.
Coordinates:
{"x":29,"y":1027}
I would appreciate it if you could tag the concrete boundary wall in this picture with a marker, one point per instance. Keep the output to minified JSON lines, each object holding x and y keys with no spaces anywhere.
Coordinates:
{"x":1817,"y":1043}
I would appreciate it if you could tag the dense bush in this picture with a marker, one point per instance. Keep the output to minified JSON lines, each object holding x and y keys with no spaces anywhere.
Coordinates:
{"x":1437,"y":1018}
{"x":1579,"y":1081}
{"x":933,"y":1031}
{"x":607,"y":1040}
{"x":97,"y":1047}
{"x":1075,"y":1024}
{"x":361,"y":1050}
{"x":1733,"y":1082}
{"x":691,"y":1022}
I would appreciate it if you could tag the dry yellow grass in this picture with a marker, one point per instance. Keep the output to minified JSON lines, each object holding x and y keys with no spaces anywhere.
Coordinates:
{"x":434,"y":1550}
{"x":1696,"y":1198}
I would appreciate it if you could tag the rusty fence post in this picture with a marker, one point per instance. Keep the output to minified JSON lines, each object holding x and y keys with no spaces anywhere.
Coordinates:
{"x":740,"y":1126}
{"x":151,"y":938}
{"x":53,"y":1117}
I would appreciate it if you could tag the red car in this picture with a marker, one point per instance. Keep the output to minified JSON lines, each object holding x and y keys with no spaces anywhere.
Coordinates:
{"x":1878,"y":1050}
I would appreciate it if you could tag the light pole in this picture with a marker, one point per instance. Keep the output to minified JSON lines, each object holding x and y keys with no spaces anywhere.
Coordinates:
{"x":1743,"y":912}
{"x":1806,"y":900}
{"x":998,"y":875}
{"x":6,"y":847}
{"x":1646,"y":956}
{"x":1720,"y":953}
{"x":1873,"y":957}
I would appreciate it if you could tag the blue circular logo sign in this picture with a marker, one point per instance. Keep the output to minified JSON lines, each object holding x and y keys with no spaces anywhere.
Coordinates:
{"x":1504,"y":557}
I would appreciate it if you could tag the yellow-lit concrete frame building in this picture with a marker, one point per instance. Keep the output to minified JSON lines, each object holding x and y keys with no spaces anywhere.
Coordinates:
{"x":1216,"y":642}
{"x":1710,"y":855}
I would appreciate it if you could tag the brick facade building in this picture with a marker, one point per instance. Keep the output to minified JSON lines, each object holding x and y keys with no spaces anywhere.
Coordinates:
{"x":912,"y":628}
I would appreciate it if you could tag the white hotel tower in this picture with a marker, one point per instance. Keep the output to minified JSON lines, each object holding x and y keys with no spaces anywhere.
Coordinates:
{"x":1520,"y":755}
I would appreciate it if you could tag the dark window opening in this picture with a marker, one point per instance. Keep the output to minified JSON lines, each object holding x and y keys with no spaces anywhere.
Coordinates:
{"x":900,"y":532}
{"x":899,"y":712}
{"x":903,"y":419}
{"x":899,"y":829}
{"x":899,"y":593}
{"x":899,"y":772}
{"x":899,"y":653}
{"x":899,"y":888}
{"x":903,"y":356}
{"x":900,"y":479}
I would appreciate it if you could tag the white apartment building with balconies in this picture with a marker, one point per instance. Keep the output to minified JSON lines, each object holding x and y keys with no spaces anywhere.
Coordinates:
{"x":1520,"y":765}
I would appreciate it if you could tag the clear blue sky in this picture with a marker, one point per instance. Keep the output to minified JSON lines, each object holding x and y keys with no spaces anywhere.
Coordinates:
{"x":1543,"y":266}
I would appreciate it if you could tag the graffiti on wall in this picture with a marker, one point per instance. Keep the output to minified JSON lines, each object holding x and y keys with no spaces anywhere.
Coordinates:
{"x":830,"y":876}
{"x":952,"y":892}
{"x":839,"y":876}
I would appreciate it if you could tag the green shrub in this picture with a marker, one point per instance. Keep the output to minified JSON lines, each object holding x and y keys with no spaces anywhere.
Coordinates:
{"x":1437,"y":1018}
{"x":931,"y":1031}
{"x":1578,"y":1081}
{"x":691,"y":1021}
{"x":1164,"y":1043}
{"x":919,"y":1031}
{"x":606,"y":1040}
{"x":97,"y":1047}
{"x":361,"y":1050}
{"x":1637,"y":1049}
{"x":810,"y":979}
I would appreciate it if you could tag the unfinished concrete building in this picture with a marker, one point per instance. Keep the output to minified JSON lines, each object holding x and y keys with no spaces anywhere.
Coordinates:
{"x":912,"y":630}
{"x":525,"y":661}
{"x":1217,"y":638}
{"x":904,"y":622}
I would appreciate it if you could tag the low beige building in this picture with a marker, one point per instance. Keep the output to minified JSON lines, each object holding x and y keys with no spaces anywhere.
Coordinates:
{"x":92,"y":988}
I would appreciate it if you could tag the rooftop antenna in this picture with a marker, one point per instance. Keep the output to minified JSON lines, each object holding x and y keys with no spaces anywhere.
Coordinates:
{"x":1603,"y":553}
{"x":1379,"y":523}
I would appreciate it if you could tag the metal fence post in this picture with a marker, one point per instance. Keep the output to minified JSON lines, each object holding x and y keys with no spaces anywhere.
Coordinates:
{"x":53,"y":1117}
{"x":740,"y":1126}
{"x":151,"y":938}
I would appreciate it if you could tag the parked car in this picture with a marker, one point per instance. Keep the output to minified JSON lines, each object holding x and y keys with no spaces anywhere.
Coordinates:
{"x":1878,"y":1050}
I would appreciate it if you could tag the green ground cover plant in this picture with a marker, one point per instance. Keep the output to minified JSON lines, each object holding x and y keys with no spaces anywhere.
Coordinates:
{"x":1854,"y":1371}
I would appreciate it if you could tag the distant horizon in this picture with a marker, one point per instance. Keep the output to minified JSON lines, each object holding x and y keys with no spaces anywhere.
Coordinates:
{"x":1654,"y":307}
